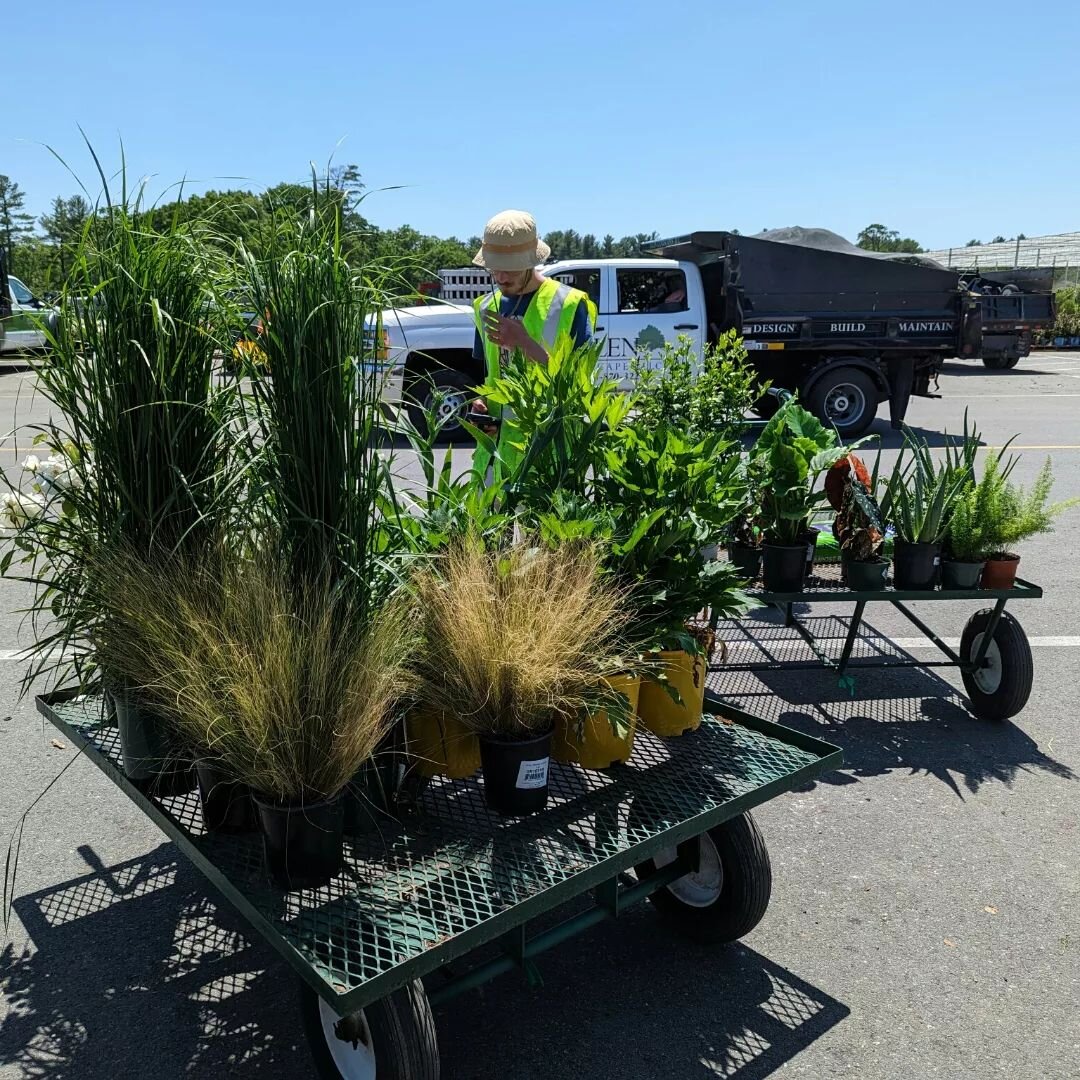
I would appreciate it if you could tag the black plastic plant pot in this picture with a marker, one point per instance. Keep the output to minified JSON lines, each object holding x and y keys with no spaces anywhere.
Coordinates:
{"x":916,"y":567}
{"x":784,"y":567}
{"x":866,"y":576}
{"x":368,"y":799}
{"x":746,"y":559}
{"x":960,"y":575}
{"x":810,"y":538}
{"x":302,"y":842}
{"x":515,"y":773}
{"x":152,"y":759}
{"x":226,"y":803}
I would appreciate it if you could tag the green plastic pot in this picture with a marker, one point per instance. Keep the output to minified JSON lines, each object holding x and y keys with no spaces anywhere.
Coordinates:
{"x":866,"y":576}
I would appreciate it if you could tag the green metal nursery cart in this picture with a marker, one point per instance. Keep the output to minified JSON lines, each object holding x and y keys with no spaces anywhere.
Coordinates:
{"x":447,"y":877}
{"x":994,"y":657}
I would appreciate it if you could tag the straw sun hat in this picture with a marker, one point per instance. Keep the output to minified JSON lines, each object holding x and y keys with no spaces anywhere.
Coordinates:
{"x":511,"y":243}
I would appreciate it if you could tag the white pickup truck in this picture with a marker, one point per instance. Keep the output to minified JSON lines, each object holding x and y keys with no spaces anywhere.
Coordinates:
{"x":846,"y":329}
{"x":642,"y":304}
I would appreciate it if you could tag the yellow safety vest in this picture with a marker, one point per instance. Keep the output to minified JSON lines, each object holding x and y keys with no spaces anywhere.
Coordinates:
{"x":549,"y":315}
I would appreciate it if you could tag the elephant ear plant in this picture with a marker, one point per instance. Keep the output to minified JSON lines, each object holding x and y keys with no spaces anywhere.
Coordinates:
{"x":791,"y":452}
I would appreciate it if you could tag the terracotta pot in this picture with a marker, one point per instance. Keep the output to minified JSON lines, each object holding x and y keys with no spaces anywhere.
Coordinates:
{"x":1000,"y":572}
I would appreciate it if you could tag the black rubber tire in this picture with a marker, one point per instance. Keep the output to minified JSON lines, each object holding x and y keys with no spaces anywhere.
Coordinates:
{"x":1012,"y":361}
{"x":744,"y":893}
{"x":419,"y":393}
{"x":402,"y":1031}
{"x":1017,"y":668}
{"x":820,"y":390}
{"x":996,"y":363}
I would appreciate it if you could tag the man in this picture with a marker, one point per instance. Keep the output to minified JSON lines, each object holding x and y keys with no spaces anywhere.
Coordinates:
{"x":525,"y":311}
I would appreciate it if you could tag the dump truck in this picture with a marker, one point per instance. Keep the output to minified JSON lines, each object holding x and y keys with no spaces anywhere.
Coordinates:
{"x":845,"y":329}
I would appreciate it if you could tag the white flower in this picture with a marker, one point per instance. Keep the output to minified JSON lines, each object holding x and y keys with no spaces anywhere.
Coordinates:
{"x":53,"y":466}
{"x":16,"y":508}
{"x":32,"y":463}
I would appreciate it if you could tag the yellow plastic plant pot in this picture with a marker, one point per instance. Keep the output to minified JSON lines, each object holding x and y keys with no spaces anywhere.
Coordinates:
{"x":441,"y":745}
{"x":656,"y":708}
{"x":600,"y":747}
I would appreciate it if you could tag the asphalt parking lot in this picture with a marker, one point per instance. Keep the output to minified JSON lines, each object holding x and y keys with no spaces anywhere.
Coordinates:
{"x":925,"y":919}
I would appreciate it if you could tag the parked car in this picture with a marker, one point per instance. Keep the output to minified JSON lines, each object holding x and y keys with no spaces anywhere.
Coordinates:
{"x":25,"y":318}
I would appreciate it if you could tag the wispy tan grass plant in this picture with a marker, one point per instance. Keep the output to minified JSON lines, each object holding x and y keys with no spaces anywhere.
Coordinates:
{"x":289,"y":692}
{"x":513,"y":638}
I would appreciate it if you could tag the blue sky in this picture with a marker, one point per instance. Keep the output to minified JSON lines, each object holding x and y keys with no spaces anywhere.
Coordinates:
{"x":945,"y":121}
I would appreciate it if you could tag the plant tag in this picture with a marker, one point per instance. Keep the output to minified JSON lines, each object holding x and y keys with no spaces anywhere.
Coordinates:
{"x":533,"y":774}
{"x":809,"y":552}
{"x":937,"y":560}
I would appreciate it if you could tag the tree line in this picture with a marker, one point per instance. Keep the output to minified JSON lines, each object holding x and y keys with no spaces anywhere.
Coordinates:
{"x":40,"y":252}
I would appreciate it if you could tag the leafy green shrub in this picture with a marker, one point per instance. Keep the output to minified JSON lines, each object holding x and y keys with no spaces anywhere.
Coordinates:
{"x":703,"y":398}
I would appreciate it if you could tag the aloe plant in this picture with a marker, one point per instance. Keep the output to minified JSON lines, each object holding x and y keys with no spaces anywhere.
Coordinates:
{"x":922,"y":492}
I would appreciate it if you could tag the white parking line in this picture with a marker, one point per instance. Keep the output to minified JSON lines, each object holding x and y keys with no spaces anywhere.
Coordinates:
{"x":1059,"y":641}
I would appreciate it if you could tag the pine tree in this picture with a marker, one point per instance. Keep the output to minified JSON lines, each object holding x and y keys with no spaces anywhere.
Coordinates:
{"x":15,"y":223}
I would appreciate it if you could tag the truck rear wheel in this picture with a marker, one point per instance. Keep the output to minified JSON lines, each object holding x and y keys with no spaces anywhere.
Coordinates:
{"x":845,"y":398}
{"x":998,"y":362}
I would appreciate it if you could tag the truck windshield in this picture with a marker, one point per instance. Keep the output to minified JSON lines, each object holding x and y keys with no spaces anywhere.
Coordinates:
{"x":21,"y":293}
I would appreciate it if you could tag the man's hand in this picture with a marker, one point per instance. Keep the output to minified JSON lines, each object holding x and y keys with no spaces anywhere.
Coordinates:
{"x":480,"y":406}
{"x":510,"y":334}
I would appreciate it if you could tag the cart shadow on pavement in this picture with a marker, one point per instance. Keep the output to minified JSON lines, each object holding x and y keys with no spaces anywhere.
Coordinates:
{"x":133,"y":971}
{"x":891,"y":719}
{"x":620,"y":1002}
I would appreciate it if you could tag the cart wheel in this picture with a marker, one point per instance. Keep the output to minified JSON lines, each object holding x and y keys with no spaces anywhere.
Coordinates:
{"x":394,"y":1039}
{"x":726,"y":897}
{"x":1002,"y":686}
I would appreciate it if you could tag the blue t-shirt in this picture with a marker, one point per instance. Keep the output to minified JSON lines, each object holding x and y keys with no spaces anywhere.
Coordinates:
{"x":514,"y":307}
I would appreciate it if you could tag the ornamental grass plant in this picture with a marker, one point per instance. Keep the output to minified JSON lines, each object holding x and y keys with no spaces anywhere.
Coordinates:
{"x":140,"y":427}
{"x":273,"y":681}
{"x":512,"y":638}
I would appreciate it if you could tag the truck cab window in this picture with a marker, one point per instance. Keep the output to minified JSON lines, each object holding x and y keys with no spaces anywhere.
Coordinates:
{"x":652,"y":291}
{"x":588,"y":281}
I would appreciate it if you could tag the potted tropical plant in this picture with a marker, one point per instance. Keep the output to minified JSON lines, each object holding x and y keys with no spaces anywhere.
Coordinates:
{"x":860,"y":529}
{"x":919,"y":500}
{"x":512,"y":640}
{"x":793,"y":449}
{"x":744,"y":536}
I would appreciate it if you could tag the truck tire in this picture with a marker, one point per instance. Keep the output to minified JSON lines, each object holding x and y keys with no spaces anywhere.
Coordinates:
{"x":447,"y":394}
{"x":845,"y":398}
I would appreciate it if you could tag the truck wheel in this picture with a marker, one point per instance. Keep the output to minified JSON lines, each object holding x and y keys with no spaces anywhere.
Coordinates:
{"x":1001,"y":688}
{"x":996,"y":363}
{"x":1012,"y":361}
{"x":444,"y":395}
{"x":845,"y":398}
{"x":726,"y":897}
{"x":394,"y":1039}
